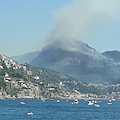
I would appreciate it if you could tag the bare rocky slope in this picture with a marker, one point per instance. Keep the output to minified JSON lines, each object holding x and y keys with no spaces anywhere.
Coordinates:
{"x":81,"y":62}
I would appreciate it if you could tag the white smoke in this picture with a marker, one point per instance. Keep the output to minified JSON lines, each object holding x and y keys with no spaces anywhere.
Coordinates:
{"x":75,"y":19}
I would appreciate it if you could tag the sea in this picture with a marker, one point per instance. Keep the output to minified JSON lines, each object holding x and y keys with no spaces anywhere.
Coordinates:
{"x":35,"y":109}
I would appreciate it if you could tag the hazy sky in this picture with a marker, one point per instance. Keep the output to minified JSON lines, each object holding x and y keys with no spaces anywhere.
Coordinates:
{"x":25,"y":25}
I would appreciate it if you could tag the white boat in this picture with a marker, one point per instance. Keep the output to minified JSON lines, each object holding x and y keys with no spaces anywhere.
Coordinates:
{"x":90,"y":103}
{"x":95,"y":101}
{"x":30,"y":113}
{"x":75,"y":101}
{"x":58,"y":100}
{"x":109,"y":103}
{"x":96,"y":105}
{"x":22,"y":103}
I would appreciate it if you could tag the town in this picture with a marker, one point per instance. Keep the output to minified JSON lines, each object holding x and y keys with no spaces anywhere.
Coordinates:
{"x":20,"y":80}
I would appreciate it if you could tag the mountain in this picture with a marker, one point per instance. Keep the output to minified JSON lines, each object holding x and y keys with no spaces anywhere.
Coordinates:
{"x":112,"y":55}
{"x":80,"y":61}
{"x":26,"y":58}
{"x":21,"y":80}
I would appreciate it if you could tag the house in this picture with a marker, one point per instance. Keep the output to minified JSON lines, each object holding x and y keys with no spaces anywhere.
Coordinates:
{"x":23,"y":85}
{"x":36,"y":77}
{"x":1,"y":67}
{"x":6,"y":75}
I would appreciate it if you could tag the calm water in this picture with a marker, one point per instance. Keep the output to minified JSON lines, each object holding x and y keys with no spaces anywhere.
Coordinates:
{"x":51,"y":110}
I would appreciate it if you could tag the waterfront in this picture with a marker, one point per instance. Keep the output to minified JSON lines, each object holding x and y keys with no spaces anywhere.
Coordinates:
{"x":51,"y":110}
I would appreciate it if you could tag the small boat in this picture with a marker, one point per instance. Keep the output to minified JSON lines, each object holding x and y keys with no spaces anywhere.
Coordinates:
{"x":57,"y":100}
{"x":30,"y":113}
{"x":22,"y":103}
{"x":96,"y":105}
{"x":75,"y":101}
{"x":95,"y":101}
{"x":109,"y":103}
{"x":90,"y":103}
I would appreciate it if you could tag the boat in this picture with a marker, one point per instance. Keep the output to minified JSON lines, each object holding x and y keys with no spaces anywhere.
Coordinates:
{"x":22,"y":103}
{"x":30,"y":113}
{"x":75,"y":101}
{"x":109,"y":103}
{"x":96,"y":105}
{"x":95,"y":101}
{"x":90,"y":103}
{"x":57,"y":100}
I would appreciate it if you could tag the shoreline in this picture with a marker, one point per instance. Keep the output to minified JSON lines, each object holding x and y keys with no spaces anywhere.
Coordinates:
{"x":85,"y":99}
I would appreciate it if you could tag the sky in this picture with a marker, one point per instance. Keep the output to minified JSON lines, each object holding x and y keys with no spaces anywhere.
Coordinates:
{"x":28,"y":25}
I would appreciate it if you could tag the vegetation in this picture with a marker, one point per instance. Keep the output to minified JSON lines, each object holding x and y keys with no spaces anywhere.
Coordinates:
{"x":2,"y":83}
{"x":48,"y":81}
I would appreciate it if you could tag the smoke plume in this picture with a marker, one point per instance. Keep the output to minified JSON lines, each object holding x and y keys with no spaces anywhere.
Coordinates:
{"x":74,"y":20}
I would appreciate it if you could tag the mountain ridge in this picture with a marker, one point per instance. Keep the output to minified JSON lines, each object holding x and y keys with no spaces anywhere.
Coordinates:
{"x":25,"y":58}
{"x":112,"y":55}
{"x":84,"y":63}
{"x":81,"y":61}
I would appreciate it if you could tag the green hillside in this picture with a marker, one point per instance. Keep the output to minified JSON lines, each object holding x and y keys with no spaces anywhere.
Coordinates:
{"x":23,"y":80}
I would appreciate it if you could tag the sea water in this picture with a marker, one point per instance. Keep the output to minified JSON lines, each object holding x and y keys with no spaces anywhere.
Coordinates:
{"x":63,"y":110}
